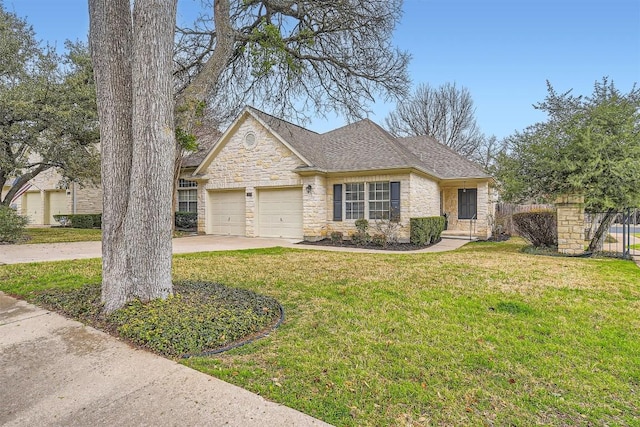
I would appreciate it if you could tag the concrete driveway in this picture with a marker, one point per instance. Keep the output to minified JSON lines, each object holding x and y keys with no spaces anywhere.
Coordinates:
{"x":16,"y":254}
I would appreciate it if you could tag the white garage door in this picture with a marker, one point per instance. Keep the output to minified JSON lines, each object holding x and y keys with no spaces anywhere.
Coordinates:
{"x":227,"y":215}
{"x":280,"y":213}
{"x":32,"y":208}
{"x":57,"y":205}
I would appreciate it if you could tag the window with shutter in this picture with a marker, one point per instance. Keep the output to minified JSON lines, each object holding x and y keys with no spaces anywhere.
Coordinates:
{"x":337,"y":202}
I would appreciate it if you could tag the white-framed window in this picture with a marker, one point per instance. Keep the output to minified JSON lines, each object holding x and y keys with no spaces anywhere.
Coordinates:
{"x":371,"y":200}
{"x":354,"y":200}
{"x":379,"y":200}
{"x":187,"y":196}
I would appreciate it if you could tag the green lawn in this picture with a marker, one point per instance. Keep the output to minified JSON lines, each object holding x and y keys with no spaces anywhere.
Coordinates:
{"x":485,"y":335}
{"x":60,"y":235}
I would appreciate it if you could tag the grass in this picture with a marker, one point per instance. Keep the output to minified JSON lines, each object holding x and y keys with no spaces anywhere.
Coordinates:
{"x":61,"y":235}
{"x":483,"y":335}
{"x":67,"y":235}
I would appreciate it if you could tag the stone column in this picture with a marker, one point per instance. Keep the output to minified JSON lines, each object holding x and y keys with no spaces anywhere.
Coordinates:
{"x":570,"y":211}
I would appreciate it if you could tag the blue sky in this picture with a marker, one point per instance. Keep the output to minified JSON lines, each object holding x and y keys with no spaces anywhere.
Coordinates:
{"x":503,"y":51}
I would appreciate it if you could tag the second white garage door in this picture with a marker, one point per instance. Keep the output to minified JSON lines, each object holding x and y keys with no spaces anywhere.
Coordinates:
{"x":280,"y":213}
{"x":227,"y":214}
{"x":57,"y":205}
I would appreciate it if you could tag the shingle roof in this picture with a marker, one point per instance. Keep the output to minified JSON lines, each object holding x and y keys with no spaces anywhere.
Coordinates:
{"x":442,"y":160}
{"x":365,"y":146}
{"x":206,"y":137}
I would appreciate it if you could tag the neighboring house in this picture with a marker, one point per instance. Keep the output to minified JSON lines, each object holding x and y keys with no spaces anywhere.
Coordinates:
{"x":47,"y":195}
{"x":270,"y":178}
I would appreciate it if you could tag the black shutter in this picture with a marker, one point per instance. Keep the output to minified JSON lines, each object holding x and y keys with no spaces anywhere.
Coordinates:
{"x":337,"y":202}
{"x":395,"y":201}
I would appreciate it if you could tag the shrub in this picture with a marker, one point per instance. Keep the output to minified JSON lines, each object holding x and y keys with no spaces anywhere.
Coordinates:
{"x":186,"y":220}
{"x":336,"y":237}
{"x":388,"y":229}
{"x":379,"y":240}
{"x":360,"y":238}
{"x":11,"y":225}
{"x":537,"y":227}
{"x":97,"y":220}
{"x":80,"y":220}
{"x":362,"y":225}
{"x":427,"y":230}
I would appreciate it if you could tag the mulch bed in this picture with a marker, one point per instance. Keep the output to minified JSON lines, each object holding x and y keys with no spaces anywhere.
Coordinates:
{"x":389,"y":247}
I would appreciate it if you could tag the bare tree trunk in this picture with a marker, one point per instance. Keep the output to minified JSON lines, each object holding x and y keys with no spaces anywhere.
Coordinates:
{"x":132,"y":62}
{"x":149,"y":224}
{"x":110,"y":43}
{"x":597,"y":242}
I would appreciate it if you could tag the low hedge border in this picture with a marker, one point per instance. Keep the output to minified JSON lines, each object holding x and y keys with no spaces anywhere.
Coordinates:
{"x":426,"y":230}
{"x":79,"y":220}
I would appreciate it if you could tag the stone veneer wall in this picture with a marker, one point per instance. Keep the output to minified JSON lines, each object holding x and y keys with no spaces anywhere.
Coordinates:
{"x":485,"y":207}
{"x":570,"y":217}
{"x":267,"y":165}
{"x":425,"y":197}
{"x":314,"y":205}
{"x":88,"y":200}
{"x":348,"y":226}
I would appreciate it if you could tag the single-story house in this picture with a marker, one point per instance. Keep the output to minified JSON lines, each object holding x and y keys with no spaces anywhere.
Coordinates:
{"x":266,"y":177}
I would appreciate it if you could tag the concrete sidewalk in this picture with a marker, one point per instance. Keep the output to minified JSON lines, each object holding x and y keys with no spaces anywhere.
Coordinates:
{"x":16,"y":254}
{"x":58,"y":372}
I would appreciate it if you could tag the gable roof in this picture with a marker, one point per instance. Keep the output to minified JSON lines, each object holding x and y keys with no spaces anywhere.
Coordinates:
{"x":362,"y":146}
{"x":206,"y":137}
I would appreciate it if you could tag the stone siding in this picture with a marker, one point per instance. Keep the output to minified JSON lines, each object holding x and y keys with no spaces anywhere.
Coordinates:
{"x":269,"y":164}
{"x":425,"y":197}
{"x":485,"y":205}
{"x":88,"y":200}
{"x":570,"y":214}
{"x":314,"y":207}
{"x":348,"y":226}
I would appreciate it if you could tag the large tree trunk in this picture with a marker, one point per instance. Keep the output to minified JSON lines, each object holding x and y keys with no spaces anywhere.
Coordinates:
{"x":149,"y":224}
{"x":132,"y":63}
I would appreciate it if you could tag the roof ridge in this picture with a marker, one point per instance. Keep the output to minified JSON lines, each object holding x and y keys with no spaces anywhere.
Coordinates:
{"x":446,"y":147}
{"x":410,"y":156}
{"x":254,"y":109}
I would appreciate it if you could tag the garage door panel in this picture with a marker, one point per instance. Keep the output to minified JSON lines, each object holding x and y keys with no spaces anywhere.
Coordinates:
{"x":57,"y":205}
{"x":280,"y":213}
{"x":33,"y":208}
{"x":227,"y":213}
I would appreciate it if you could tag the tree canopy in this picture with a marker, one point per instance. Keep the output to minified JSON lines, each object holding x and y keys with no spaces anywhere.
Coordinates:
{"x":47,"y":109}
{"x":447,"y":114}
{"x":588,"y":145}
{"x":290,"y":57}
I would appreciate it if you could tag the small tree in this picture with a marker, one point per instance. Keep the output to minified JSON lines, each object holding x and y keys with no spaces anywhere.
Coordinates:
{"x":588,"y":145}
{"x":48,"y":110}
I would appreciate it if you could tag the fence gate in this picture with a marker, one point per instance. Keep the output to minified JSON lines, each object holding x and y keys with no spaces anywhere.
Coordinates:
{"x":624,"y":234}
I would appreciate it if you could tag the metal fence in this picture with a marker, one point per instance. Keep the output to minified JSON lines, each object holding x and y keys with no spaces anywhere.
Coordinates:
{"x":623,"y":237}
